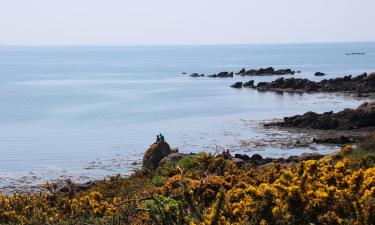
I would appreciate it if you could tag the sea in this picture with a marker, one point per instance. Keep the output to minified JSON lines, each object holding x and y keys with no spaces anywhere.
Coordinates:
{"x":86,"y":112}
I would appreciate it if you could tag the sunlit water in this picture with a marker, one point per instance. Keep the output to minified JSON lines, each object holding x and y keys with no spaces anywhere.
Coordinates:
{"x":87,"y":112}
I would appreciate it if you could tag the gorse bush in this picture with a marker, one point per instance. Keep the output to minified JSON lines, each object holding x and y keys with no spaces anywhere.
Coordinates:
{"x":213,"y":190}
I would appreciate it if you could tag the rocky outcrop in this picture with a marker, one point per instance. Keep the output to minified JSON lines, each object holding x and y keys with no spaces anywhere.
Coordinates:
{"x":154,"y":154}
{"x":196,"y":75}
{"x":348,"y":119}
{"x":341,"y":140}
{"x":355,"y":53}
{"x":237,"y":85}
{"x":251,"y":72}
{"x":249,"y":84}
{"x":258,"y":160}
{"x":221,"y":75}
{"x":319,"y":74}
{"x":265,"y":72}
{"x":362,"y":83}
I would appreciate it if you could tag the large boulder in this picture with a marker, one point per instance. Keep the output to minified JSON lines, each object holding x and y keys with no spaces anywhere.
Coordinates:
{"x":154,"y":154}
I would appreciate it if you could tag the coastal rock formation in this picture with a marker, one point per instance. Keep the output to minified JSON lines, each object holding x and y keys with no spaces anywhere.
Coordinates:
{"x":222,"y":75}
{"x":265,"y":72}
{"x":319,"y":74}
{"x":237,"y":85}
{"x":355,"y":53}
{"x":196,"y":75}
{"x":249,"y":84}
{"x":348,"y":119}
{"x":362,"y":83}
{"x":258,"y":160}
{"x":335,"y":140}
{"x":252,"y":72}
{"x":154,"y":154}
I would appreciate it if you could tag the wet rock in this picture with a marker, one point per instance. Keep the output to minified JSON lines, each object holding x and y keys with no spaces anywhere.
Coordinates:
{"x":319,"y":74}
{"x":243,"y":70}
{"x":348,"y":119}
{"x":237,"y":85}
{"x":356,"y":53}
{"x":196,"y":75}
{"x":221,"y":75}
{"x":265,"y":72}
{"x":249,"y":84}
{"x":362,"y":83}
{"x":154,"y":154}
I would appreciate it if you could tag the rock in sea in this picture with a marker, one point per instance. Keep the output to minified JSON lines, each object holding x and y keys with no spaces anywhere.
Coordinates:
{"x":154,"y":154}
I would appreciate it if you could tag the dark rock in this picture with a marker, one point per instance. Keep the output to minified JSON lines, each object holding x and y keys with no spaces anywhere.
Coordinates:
{"x":249,"y":84}
{"x":356,"y":53}
{"x":319,"y":74}
{"x":292,"y":159}
{"x":237,"y":85}
{"x":197,"y":75}
{"x":363,"y":83}
{"x":184,"y":73}
{"x":243,"y":70}
{"x":363,"y":116}
{"x":265,"y":72}
{"x":154,"y":154}
{"x":256,"y":157}
{"x":335,"y":140}
{"x":242,"y":156}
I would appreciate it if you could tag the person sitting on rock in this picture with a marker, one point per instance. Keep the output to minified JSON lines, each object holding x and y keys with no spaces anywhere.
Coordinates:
{"x":157,"y":139}
{"x":161,"y":138}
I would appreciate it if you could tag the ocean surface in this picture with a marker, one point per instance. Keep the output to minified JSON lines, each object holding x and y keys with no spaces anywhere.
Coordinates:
{"x":87,"y":112}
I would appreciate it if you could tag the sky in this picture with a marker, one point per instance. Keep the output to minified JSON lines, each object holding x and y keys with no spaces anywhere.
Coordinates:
{"x":164,"y":22}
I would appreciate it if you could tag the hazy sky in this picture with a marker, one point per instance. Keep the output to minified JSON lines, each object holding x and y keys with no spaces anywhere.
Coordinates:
{"x":128,"y":22}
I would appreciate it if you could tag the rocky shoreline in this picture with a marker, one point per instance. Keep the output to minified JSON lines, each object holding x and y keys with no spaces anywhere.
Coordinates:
{"x":251,"y":72}
{"x":363,"y":85}
{"x":347,"y":119}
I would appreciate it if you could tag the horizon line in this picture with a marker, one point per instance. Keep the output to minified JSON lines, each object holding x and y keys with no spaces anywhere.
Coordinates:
{"x":179,"y":44}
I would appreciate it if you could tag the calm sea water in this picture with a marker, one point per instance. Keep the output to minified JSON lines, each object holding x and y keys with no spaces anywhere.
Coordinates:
{"x":91,"y":111}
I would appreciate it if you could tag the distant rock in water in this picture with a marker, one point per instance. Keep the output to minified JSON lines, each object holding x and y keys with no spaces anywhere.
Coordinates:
{"x":237,"y":85}
{"x":348,"y":119}
{"x":252,"y":72}
{"x":356,"y":53}
{"x":360,"y":84}
{"x":155,"y":153}
{"x":319,"y":74}
{"x":196,"y":75}
{"x":265,"y":72}
{"x":222,"y":75}
{"x":249,"y":84}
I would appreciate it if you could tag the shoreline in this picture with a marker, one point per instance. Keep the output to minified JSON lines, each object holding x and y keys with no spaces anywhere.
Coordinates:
{"x":304,"y":141}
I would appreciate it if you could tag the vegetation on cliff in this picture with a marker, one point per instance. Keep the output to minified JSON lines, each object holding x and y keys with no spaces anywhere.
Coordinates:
{"x":207,"y":189}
